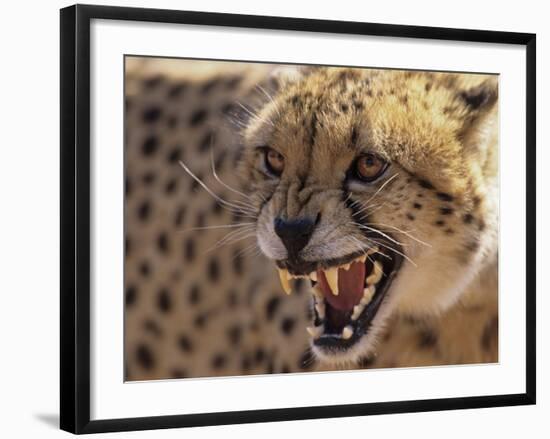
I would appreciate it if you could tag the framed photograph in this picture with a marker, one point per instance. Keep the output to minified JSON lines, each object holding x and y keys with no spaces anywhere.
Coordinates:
{"x":267,"y":218}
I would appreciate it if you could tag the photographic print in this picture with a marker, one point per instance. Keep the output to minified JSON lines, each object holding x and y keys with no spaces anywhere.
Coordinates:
{"x":265,"y":216}
{"x":301,"y":218}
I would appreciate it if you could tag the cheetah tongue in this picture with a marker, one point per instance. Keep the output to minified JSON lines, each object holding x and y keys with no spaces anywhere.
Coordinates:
{"x":351,"y":284}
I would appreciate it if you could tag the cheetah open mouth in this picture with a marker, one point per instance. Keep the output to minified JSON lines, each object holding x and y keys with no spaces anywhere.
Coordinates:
{"x":347,"y":294}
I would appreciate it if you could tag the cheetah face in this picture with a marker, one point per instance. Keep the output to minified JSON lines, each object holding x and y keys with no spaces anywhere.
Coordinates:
{"x":367,"y":185}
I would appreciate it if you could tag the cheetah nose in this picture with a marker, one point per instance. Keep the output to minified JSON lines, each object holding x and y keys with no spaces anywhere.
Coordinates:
{"x":295,"y":233}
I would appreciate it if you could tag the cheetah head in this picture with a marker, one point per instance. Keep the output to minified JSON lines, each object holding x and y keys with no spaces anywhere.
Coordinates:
{"x":374,"y":185}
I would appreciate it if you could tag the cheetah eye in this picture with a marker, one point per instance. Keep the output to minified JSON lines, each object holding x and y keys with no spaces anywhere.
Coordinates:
{"x":369,"y":167}
{"x":274,"y":162}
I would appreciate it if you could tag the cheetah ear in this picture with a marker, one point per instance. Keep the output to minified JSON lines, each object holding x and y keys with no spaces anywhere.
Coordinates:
{"x":481,"y":97}
{"x":285,"y":75}
{"x":480,"y":101}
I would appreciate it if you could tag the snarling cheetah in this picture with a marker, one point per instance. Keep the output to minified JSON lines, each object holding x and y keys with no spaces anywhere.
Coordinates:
{"x":369,"y":196}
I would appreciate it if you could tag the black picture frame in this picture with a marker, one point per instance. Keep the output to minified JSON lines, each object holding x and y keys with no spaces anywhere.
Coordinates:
{"x":75,"y":217}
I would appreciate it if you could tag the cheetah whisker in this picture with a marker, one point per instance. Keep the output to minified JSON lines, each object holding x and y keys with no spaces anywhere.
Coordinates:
{"x":372,"y":229}
{"x":222,"y":226}
{"x":231,"y":240}
{"x":332,"y":231}
{"x":367,"y":207}
{"x":235,"y":208}
{"x":219,"y":180}
{"x":264,"y":91}
{"x":396,"y":229}
{"x":354,"y":202}
{"x":233,"y":234}
{"x":309,"y":359}
{"x":254,"y":115}
{"x":382,"y":187}
{"x":376,"y":243}
{"x":393,"y":250}
{"x":244,"y":251}
{"x":233,"y":120}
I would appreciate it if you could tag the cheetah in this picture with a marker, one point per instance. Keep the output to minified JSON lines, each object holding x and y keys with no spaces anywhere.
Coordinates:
{"x":369,"y":196}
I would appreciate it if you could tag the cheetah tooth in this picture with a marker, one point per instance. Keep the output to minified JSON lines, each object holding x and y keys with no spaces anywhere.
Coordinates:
{"x":317,"y":292}
{"x":362,"y":258}
{"x":332,"y":279}
{"x":376,"y":274}
{"x":313,"y":276}
{"x":284,"y":277}
{"x":346,"y":266}
{"x":373,"y":250}
{"x":357,"y":310}
{"x":368,"y":294}
{"x":347,"y":332}
{"x":320,"y":308}
{"x":315,"y":331}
